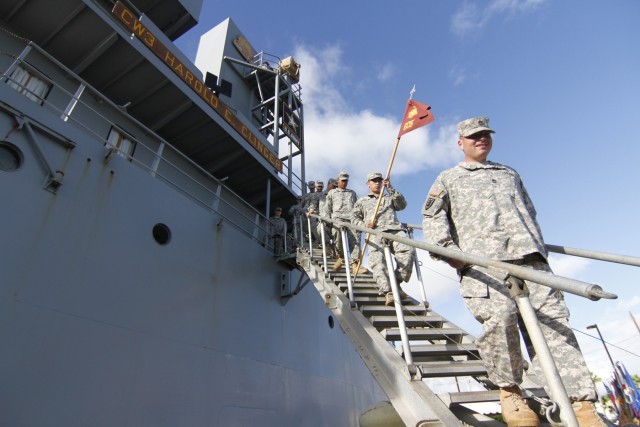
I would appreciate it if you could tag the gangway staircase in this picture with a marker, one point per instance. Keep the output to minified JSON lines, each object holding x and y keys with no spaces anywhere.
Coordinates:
{"x":438,"y":348}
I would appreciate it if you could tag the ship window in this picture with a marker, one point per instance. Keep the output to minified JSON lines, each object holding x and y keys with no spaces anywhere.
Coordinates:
{"x":10,"y":157}
{"x":161,"y":233}
{"x":28,"y":83}
{"x":123,"y":143}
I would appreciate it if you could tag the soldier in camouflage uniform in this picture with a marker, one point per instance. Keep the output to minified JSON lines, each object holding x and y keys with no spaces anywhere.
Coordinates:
{"x":317,"y":207}
{"x":278,"y":229}
{"x":310,"y":201}
{"x":338,"y":206}
{"x":482,"y":208}
{"x":386,"y":221}
{"x":297,"y":218}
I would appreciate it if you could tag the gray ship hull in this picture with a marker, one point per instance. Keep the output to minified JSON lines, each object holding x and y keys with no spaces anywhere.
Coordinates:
{"x":100,"y":325}
{"x":139,"y":288}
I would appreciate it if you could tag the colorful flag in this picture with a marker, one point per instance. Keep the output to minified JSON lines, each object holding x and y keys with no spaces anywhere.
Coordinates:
{"x":612,"y":398}
{"x":631,"y":392}
{"x":416,"y":115}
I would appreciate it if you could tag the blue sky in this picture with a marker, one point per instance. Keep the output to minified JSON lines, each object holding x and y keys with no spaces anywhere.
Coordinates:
{"x":559,"y":80}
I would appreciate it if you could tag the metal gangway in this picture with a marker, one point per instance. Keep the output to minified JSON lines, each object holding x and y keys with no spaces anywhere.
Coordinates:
{"x":430,"y":346}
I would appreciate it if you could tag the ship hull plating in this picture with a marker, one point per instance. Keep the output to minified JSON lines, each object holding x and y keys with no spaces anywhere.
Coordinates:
{"x":101,"y":325}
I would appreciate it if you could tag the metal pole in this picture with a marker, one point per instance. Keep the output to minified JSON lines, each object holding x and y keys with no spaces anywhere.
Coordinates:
{"x":284,"y":238}
{"x":634,"y":321}
{"x":347,"y":256}
{"x":310,"y":239}
{"x":595,"y":326}
{"x":554,"y":381}
{"x":416,"y":265}
{"x":324,"y":248}
{"x":398,"y":306}
{"x":300,"y":228}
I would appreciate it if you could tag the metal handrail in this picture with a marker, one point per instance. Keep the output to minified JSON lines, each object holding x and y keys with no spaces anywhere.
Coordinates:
{"x":584,"y":253}
{"x":190,"y":176}
{"x":505,"y":270}
{"x":573,"y":286}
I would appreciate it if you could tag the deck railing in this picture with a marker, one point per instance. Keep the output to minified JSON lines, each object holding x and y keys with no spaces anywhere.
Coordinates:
{"x":81,"y":105}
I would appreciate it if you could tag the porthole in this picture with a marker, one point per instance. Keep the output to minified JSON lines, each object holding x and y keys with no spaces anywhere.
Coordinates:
{"x":161,"y":234}
{"x":331,"y":322}
{"x":10,"y":157}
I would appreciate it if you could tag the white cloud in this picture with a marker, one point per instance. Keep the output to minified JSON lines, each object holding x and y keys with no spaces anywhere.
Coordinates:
{"x":513,"y":7}
{"x":567,"y":266}
{"x":340,"y":138}
{"x":386,"y":72}
{"x":470,"y":18}
{"x":458,"y":75}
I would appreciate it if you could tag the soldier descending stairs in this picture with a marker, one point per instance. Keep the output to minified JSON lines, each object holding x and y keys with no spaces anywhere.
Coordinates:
{"x":436,"y":349}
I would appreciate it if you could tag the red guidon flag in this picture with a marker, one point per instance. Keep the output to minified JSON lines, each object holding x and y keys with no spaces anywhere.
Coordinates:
{"x":415,"y":116}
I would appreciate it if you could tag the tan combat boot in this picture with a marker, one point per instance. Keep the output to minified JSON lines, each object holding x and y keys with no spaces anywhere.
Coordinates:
{"x":587,"y":415}
{"x":337,"y":264}
{"x":515,"y":411}
{"x":356,"y":270}
{"x":388,"y":299}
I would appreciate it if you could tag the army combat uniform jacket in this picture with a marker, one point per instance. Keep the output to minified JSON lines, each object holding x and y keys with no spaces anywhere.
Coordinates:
{"x":386,"y":218}
{"x":387,"y":221}
{"x":482,"y":209}
{"x":339,"y":203}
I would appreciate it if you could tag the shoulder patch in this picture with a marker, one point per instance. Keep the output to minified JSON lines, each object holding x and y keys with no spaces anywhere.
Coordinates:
{"x":429,"y":203}
{"x":436,"y":191}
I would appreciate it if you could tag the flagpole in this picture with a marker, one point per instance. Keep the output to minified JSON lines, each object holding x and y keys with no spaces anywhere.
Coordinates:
{"x":388,"y":175}
{"x":375,"y":212}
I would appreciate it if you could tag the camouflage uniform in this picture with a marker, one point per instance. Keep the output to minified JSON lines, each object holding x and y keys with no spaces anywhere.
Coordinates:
{"x":386,"y":221}
{"x":297,"y":218}
{"x":338,"y":206}
{"x":310,"y":202}
{"x":317,"y":206}
{"x":484,"y":209}
{"x":278,"y":227}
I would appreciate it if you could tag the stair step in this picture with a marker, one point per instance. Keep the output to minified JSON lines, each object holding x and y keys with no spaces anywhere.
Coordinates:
{"x":341,"y":278}
{"x":483,"y":396}
{"x":384,"y":322}
{"x":462,"y":368}
{"x":361,"y":288}
{"x":450,"y":335}
{"x":383,"y":310}
{"x":434,"y":350}
{"x":378,"y":300}
{"x":367,"y":286}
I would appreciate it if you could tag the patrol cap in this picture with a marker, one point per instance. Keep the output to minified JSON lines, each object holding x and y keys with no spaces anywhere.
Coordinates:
{"x":331,"y":181}
{"x":475,"y":124}
{"x":343,"y":176}
{"x":373,"y":175}
{"x":311,"y":183}
{"x":278,"y":208}
{"x":319,"y":184}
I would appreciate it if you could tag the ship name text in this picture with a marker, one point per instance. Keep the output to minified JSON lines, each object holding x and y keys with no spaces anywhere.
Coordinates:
{"x":197,"y":85}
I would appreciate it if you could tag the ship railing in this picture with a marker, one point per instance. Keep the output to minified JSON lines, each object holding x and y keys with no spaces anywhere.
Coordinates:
{"x":517,"y":289}
{"x":152,"y":153}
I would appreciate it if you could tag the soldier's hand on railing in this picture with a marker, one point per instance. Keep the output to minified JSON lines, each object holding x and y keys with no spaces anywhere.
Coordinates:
{"x":456,"y":263}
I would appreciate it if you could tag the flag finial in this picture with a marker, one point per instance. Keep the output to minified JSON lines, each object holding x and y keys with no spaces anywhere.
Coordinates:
{"x":413,"y":90}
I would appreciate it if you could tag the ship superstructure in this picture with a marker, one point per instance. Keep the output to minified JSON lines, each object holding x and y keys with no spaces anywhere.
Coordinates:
{"x":138,"y":283}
